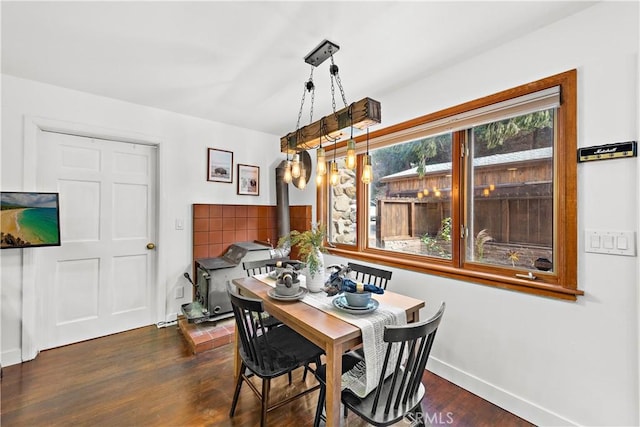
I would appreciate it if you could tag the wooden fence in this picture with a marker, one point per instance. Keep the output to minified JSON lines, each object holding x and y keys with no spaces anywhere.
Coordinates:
{"x":525,"y":220}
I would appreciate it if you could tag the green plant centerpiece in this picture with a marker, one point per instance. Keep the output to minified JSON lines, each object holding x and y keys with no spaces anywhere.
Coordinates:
{"x":310,"y":250}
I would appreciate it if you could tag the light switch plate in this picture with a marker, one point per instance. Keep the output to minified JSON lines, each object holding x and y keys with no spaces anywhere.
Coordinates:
{"x":179,"y":292}
{"x":610,"y":242}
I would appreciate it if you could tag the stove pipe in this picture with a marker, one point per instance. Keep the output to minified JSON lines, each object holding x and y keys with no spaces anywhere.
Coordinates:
{"x":282,"y":209}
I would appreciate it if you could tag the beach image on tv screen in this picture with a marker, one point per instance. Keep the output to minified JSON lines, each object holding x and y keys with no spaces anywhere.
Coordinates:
{"x":29,"y":219}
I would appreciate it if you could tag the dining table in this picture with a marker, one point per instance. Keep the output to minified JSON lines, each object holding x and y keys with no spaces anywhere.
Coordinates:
{"x":333,"y":334}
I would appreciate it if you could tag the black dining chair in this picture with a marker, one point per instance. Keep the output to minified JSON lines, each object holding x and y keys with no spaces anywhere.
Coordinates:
{"x":261,"y":266}
{"x":267,"y":353}
{"x":401,"y":393}
{"x":264,"y":266}
{"x":370,"y":275}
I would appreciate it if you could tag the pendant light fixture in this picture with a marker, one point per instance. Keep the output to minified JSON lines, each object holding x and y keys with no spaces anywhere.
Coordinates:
{"x":350,"y":161}
{"x":287,"y":171}
{"x":295,"y":166}
{"x":364,"y":113}
{"x":302,"y":182}
{"x":367,"y":170}
{"x":321,"y":163}
{"x":361,"y":115}
{"x":321,"y":160}
{"x":334,"y":176}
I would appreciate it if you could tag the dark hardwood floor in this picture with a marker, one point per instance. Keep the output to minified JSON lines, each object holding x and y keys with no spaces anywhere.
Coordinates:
{"x":148,"y":377}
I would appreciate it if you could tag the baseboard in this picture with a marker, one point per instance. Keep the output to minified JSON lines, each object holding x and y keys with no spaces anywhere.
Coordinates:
{"x":11,"y":357}
{"x":516,"y":405}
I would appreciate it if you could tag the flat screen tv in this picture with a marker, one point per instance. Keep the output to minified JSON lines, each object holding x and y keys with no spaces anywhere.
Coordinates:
{"x":29,"y":220}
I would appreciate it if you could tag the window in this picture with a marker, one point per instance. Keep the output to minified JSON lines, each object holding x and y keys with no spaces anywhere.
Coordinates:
{"x":412,"y":189}
{"x":483,"y":192}
{"x":510,"y":192}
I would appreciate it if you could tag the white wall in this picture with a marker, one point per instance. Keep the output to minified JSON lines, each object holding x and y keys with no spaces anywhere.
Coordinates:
{"x":183,"y":161}
{"x":549,"y":361}
{"x":552,"y":362}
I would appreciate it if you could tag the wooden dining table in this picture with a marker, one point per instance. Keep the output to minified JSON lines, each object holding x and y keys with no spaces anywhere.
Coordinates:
{"x":328,"y":332}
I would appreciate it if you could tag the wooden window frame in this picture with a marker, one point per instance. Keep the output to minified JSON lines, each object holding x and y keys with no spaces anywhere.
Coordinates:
{"x":562,"y":282}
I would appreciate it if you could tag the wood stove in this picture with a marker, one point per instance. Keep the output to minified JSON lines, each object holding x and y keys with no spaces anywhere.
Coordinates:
{"x":213,"y":275}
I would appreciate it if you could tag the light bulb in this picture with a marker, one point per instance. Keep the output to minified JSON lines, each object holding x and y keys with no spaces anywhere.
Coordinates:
{"x":319,"y":180}
{"x":351,"y":154}
{"x":335,"y":177}
{"x":367,"y":172}
{"x":321,"y":167}
{"x":302,"y":182}
{"x":287,"y":172}
{"x":420,"y":195}
{"x":425,"y":191}
{"x":295,"y":166}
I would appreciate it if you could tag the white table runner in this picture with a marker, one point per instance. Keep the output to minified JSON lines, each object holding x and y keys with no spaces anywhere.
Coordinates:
{"x":363,"y":378}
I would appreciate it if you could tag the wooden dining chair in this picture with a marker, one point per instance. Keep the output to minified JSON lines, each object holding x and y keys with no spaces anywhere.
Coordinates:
{"x":370,"y":275}
{"x":401,"y":393}
{"x":267,"y":353}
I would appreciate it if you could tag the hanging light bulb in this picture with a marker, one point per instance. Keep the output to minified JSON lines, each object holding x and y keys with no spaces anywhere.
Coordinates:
{"x":334,"y":176}
{"x":367,"y":171}
{"x":321,"y":166}
{"x":302,"y":181}
{"x":295,"y":166}
{"x":351,"y":154}
{"x":287,"y":172}
{"x":350,"y":161}
{"x":319,"y":180}
{"x":420,"y":195}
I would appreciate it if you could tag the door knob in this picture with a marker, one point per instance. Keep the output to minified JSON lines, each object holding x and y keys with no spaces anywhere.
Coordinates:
{"x":151,"y":246}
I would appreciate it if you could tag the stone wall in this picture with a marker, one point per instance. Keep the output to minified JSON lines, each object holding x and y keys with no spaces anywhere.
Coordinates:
{"x":343,"y":208}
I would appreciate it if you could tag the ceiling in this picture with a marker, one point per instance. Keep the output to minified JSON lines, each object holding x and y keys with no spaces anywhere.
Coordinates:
{"x":242,"y":63}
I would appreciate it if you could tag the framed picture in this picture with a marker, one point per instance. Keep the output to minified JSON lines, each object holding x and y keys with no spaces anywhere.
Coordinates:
{"x":248,"y":180}
{"x":220,"y":165}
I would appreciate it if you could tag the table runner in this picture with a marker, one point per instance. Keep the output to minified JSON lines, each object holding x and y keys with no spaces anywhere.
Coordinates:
{"x":363,"y":378}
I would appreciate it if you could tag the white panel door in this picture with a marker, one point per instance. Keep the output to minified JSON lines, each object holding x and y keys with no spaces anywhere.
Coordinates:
{"x":101,"y":280}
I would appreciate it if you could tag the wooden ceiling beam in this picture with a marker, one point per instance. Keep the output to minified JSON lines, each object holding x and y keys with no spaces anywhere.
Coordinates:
{"x":366,"y":112}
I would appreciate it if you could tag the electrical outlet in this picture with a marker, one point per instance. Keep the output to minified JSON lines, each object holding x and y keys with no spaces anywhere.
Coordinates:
{"x":179,"y":292}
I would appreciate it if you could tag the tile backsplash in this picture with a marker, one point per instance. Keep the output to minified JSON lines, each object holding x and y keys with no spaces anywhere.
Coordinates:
{"x":215,"y":227}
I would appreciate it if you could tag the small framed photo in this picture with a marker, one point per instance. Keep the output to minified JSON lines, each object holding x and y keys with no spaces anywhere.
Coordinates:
{"x":248,"y":180}
{"x":220,"y":165}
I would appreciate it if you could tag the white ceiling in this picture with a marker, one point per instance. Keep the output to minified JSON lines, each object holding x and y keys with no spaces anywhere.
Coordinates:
{"x":242,"y":63}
